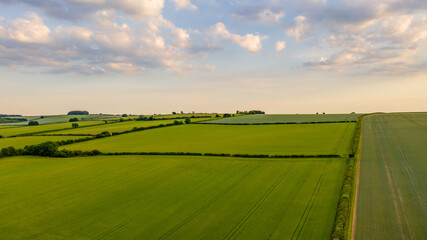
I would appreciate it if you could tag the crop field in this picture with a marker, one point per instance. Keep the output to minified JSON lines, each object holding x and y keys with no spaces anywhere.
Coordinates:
{"x":112,"y":127}
{"x":7,"y":132}
{"x":21,"y":142}
{"x":246,"y":139}
{"x":165,"y":197}
{"x":286,"y":118}
{"x":392,"y":195}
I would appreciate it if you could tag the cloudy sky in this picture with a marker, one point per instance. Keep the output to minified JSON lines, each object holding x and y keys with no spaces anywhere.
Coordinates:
{"x":158,"y":56}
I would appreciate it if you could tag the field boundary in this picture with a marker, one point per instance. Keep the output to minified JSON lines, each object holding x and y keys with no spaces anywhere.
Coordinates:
{"x":275,"y":123}
{"x":343,"y":223}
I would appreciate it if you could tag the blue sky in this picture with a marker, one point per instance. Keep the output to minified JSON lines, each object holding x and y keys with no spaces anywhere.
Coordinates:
{"x":159,"y":56}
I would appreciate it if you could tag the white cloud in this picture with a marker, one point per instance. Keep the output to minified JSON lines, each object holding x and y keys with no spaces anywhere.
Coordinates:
{"x":249,"y":41}
{"x":184,"y":4}
{"x":140,"y":9}
{"x":299,"y":28}
{"x":280,"y":45}
{"x":30,"y":30}
{"x":181,"y":37}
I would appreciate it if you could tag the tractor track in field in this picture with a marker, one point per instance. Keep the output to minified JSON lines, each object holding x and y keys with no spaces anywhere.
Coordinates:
{"x":414,"y":122}
{"x":341,"y":140}
{"x":242,"y":221}
{"x":134,"y":217}
{"x":302,"y":221}
{"x":400,"y":207}
{"x":208,"y":204}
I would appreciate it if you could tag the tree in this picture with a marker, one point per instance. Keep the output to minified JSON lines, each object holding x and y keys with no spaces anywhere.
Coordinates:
{"x":78,"y":113}
{"x":33,"y":123}
{"x":75,"y":125}
{"x":1,"y":136}
{"x":124,"y":115}
{"x":226,"y":115}
{"x":73,"y":120}
{"x":173,"y":113}
{"x":187,"y":121}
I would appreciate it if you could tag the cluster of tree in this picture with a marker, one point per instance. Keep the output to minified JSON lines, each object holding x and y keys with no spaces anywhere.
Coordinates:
{"x":46,"y":149}
{"x":73,"y":120}
{"x":250,"y":112}
{"x":226,"y":115}
{"x":78,"y":113}
{"x":142,"y":118}
{"x":75,"y":125}
{"x":125,"y":115}
{"x":33,"y":123}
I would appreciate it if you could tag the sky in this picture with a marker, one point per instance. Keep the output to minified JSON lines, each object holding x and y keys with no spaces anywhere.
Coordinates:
{"x":159,"y":56}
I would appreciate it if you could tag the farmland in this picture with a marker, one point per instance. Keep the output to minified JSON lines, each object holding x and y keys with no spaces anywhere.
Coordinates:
{"x":392,"y":200}
{"x":267,"y":139}
{"x":21,"y":142}
{"x":13,"y":131}
{"x":165,"y":197}
{"x":286,"y":118}
{"x":113,"y":127}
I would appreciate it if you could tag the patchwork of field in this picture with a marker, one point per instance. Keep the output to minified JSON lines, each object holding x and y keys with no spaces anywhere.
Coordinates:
{"x":392,"y":195}
{"x":286,"y":118}
{"x":165,"y":197}
{"x":246,"y":139}
{"x":21,"y":142}
{"x":113,"y":127}
{"x":13,"y":131}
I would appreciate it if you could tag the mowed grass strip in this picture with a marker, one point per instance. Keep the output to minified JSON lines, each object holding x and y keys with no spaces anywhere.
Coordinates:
{"x":113,"y":127}
{"x":6,"y":132}
{"x":247,"y":139}
{"x":285,"y":118}
{"x":21,"y":142}
{"x":392,"y":194}
{"x":165,"y":197}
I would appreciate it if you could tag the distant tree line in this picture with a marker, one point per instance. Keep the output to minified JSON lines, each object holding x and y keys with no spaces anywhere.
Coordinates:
{"x":33,"y":123}
{"x":10,"y":115}
{"x":12,"y":120}
{"x":78,"y":113}
{"x":73,"y":120}
{"x":250,"y":112}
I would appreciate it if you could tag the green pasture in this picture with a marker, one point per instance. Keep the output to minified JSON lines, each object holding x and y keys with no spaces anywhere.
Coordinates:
{"x":286,"y":118}
{"x":6,"y":132}
{"x":234,"y":139}
{"x":113,"y":127}
{"x":21,"y":142}
{"x":165,"y":197}
{"x":392,"y":200}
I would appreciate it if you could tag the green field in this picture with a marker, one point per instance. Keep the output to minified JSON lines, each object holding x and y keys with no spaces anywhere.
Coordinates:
{"x":392,"y":200}
{"x":164,"y":197}
{"x":7,"y":132}
{"x":113,"y":127}
{"x":245,"y":139}
{"x":285,"y":118}
{"x":21,"y":142}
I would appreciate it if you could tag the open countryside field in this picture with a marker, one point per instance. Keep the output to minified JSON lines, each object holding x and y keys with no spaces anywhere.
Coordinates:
{"x":7,"y":132}
{"x":165,"y":197}
{"x":21,"y":142}
{"x":113,"y":127}
{"x":286,"y":118}
{"x":392,"y":195}
{"x":247,"y":139}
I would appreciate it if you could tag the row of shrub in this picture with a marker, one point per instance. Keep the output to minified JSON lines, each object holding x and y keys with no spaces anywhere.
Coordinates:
{"x":224,"y":155}
{"x":342,"y":218}
{"x":275,"y":123}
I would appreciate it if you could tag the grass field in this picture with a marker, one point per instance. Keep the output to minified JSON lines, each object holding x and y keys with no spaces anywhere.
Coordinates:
{"x":164,"y":197}
{"x":21,"y":142}
{"x":392,"y":195}
{"x":6,"y":132}
{"x":246,"y":139}
{"x":286,"y":118}
{"x":113,"y":127}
